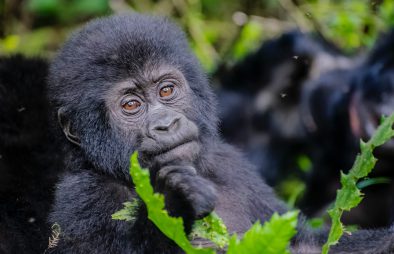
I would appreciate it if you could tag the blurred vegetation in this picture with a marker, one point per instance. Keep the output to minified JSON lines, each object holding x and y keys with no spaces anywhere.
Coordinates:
{"x":219,"y":31}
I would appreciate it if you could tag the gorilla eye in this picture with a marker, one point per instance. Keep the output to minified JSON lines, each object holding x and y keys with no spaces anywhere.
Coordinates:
{"x":166,"y":91}
{"x":130,"y":105}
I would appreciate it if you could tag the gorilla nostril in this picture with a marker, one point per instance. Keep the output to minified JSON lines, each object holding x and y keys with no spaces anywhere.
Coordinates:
{"x":175,"y":124}
{"x":161,"y":128}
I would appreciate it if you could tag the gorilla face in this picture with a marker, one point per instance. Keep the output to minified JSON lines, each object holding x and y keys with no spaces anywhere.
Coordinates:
{"x":374,"y":90}
{"x":142,"y":90}
{"x":155,"y":106}
{"x":372,"y":99}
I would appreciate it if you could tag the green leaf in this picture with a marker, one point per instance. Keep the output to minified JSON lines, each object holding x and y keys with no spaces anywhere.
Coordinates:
{"x":349,"y":196}
{"x":44,"y":7}
{"x":372,"y":181}
{"x":316,"y":223}
{"x":273,"y":237}
{"x":304,"y":163}
{"x":129,"y":212}
{"x":248,"y":40}
{"x":10,"y":43}
{"x":211,"y":227}
{"x":169,"y":226}
{"x":386,"y":11}
{"x":291,"y":190}
{"x":344,"y":22}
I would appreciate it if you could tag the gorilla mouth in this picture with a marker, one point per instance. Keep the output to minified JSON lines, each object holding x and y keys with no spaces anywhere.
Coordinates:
{"x":175,"y":146}
{"x":187,"y":150}
{"x":365,"y":119}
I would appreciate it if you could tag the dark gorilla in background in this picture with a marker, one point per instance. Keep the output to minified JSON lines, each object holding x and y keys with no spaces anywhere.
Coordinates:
{"x":30,"y":159}
{"x":338,"y":110}
{"x":259,"y":100}
{"x":130,"y":83}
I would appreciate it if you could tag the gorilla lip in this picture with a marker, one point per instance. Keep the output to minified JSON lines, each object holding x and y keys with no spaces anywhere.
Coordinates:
{"x":185,"y":151}
{"x":173,"y":147}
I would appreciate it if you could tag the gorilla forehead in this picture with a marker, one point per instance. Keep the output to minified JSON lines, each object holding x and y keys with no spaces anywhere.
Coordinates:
{"x":130,"y":40}
{"x":113,"y":49}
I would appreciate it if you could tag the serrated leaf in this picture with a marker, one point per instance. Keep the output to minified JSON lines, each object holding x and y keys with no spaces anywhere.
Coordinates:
{"x":271,"y":238}
{"x":349,"y":196}
{"x":169,"y":226}
{"x":384,"y":132}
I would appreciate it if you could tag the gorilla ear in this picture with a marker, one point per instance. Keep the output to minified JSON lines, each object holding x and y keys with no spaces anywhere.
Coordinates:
{"x":66,"y":126}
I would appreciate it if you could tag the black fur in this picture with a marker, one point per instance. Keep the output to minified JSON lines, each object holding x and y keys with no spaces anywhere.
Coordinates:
{"x":30,"y":160}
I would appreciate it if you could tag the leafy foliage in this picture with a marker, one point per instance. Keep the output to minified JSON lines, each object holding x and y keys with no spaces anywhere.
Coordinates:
{"x":349,"y":196}
{"x":386,"y":11}
{"x":249,"y":37}
{"x":211,"y":227}
{"x":129,"y":212}
{"x":220,"y":32}
{"x":291,"y":189}
{"x":67,"y":11}
{"x":350,"y":24}
{"x":272,"y":237}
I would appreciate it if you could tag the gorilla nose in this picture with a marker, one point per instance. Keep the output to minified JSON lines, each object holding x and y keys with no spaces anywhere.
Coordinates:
{"x":164,"y":125}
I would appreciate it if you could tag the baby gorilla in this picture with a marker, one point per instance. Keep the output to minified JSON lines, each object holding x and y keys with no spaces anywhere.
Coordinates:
{"x":130,"y":83}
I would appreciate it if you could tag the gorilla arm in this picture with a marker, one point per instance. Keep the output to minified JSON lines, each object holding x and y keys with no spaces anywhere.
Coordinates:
{"x":86,"y":223}
{"x":85,"y":219}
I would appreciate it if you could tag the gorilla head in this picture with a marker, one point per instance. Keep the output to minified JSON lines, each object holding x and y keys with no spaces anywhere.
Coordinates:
{"x":339,"y":109}
{"x":373,"y":91}
{"x":142,"y":89}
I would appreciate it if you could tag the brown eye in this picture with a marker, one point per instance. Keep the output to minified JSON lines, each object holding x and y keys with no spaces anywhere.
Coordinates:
{"x":166,"y":91}
{"x":131,"y":105}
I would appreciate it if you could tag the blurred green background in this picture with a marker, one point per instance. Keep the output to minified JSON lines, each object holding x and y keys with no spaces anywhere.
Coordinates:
{"x":220,"y":32}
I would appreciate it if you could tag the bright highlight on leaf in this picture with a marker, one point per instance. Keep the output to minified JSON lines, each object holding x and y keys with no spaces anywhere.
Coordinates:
{"x":349,"y":195}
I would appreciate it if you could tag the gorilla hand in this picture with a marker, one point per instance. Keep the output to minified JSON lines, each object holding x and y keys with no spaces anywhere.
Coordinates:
{"x":183,"y":188}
